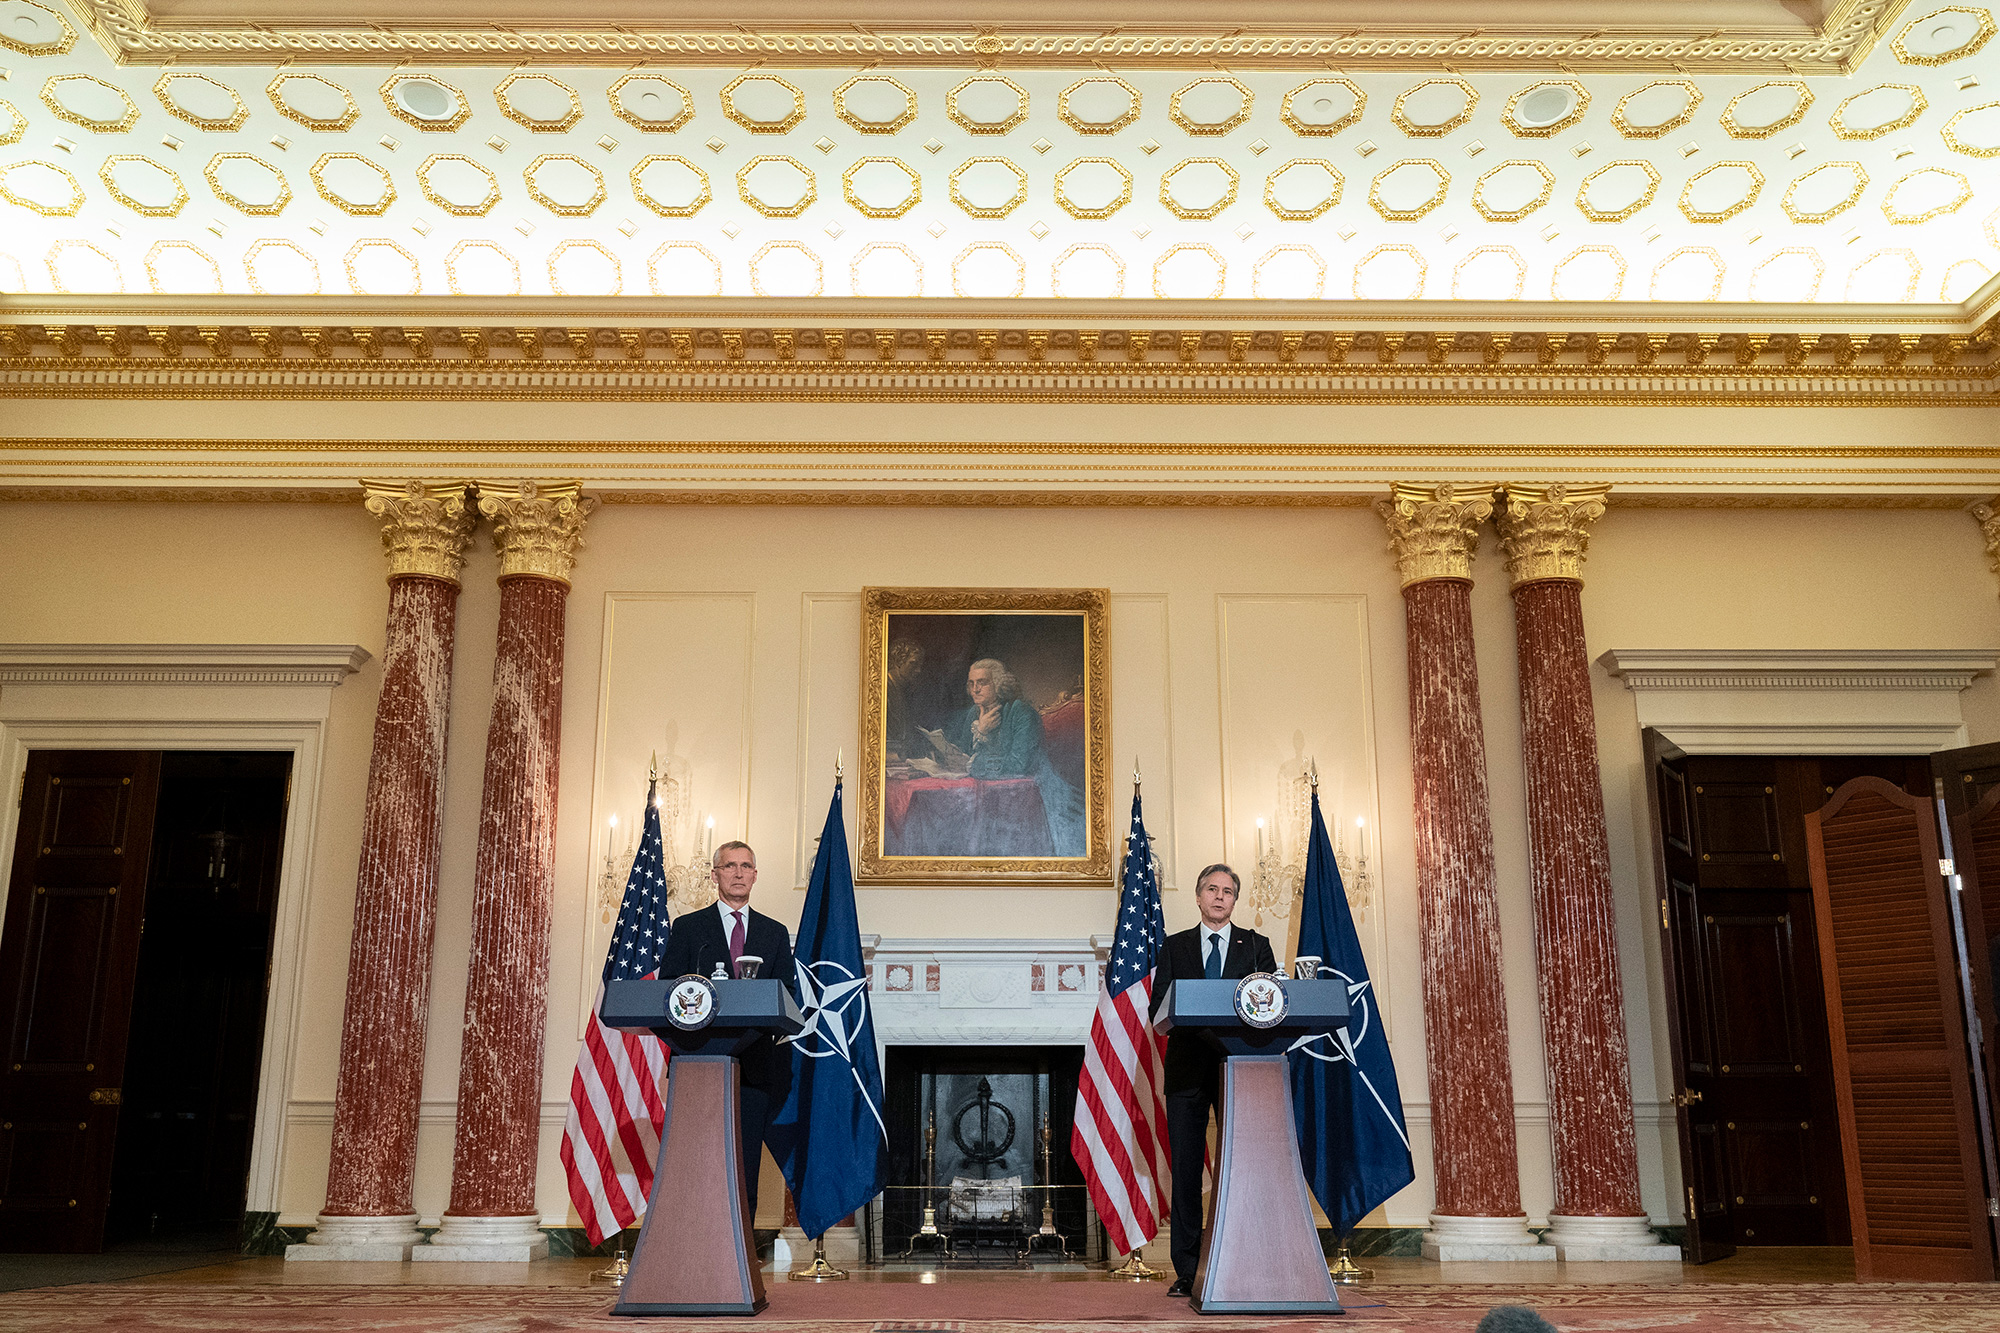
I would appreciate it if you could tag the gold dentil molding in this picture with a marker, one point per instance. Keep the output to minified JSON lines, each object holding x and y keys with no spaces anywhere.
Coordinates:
{"x":1434,"y":530}
{"x":426,"y":528}
{"x":1545,"y":530}
{"x":886,"y":351}
{"x":1832,"y":38}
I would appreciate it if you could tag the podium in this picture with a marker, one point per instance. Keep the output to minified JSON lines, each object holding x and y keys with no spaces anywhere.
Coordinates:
{"x":1260,"y":1251}
{"x":695,"y":1254}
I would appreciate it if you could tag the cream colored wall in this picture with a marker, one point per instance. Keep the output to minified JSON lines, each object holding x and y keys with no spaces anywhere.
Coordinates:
{"x":1656,"y":579}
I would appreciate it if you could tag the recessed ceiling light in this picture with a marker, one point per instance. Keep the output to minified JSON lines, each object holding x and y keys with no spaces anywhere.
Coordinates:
{"x":426,"y":99}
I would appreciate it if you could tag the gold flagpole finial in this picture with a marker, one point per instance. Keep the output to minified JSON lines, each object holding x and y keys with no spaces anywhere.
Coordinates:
{"x":1136,"y":780}
{"x":653,"y":768}
{"x":1312,"y":766}
{"x":839,"y":764}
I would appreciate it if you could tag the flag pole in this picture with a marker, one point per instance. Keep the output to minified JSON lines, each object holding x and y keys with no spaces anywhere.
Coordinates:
{"x":1344,"y":1270}
{"x":620,"y":1268}
{"x":819,"y":1270}
{"x":1134,"y":1269}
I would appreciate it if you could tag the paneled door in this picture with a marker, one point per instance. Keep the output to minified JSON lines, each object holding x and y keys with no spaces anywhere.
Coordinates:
{"x":75,"y":912}
{"x":1759,"y":1130}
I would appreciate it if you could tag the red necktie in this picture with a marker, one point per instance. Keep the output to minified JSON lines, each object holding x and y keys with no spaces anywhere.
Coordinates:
{"x":736,"y":939}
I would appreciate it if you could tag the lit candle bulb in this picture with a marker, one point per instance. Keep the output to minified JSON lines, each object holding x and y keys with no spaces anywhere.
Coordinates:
{"x":710,"y":835}
{"x":611,"y":838}
{"x":1361,"y":837}
{"x":1260,"y":838}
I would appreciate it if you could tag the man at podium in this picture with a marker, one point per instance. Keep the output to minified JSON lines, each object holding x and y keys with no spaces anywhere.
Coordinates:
{"x":1214,"y":949}
{"x":723,"y":934}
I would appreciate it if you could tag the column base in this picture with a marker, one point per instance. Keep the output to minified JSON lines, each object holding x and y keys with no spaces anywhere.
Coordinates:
{"x":363,"y":1240}
{"x":485,"y":1240}
{"x":1453,"y":1239}
{"x":1607,"y":1240}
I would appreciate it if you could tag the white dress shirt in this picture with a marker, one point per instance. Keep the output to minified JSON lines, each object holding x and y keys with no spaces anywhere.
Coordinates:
{"x":1207,"y":935}
{"x":729,"y":921}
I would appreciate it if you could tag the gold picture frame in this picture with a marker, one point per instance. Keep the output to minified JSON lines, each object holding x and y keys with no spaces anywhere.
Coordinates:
{"x":972,"y":777}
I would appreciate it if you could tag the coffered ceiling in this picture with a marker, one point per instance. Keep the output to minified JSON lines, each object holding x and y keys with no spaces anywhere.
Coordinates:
{"x":1839,"y":154}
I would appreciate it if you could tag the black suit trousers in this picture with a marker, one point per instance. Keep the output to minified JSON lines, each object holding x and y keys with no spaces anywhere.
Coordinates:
{"x":753,"y":1113}
{"x":1187,"y":1141}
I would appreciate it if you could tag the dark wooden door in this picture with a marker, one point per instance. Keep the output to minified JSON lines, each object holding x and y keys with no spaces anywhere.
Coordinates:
{"x":1968,"y":780}
{"x":1759,"y":1127}
{"x":1710,"y":1231}
{"x":1901,"y":1071}
{"x":75,"y":904}
{"x":183,"y":1155}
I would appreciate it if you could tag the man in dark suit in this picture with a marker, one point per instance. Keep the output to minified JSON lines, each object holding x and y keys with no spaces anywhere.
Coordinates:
{"x":1217,"y":950}
{"x":722,"y":934}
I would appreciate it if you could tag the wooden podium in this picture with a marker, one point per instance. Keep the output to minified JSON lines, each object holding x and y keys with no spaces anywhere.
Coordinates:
{"x":1260,"y":1252}
{"x":695,"y":1254}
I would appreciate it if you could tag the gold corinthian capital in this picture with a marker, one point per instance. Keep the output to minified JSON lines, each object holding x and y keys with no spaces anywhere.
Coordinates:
{"x":425,"y":527}
{"x":1988,"y":518}
{"x":537,"y":525}
{"x":1544,"y":530}
{"x":1434,"y":530}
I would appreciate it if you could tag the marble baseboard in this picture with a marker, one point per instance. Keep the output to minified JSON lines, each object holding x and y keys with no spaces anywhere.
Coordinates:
{"x":263,"y":1236}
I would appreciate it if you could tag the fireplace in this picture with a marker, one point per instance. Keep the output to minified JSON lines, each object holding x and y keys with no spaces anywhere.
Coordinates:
{"x":983,"y":1176}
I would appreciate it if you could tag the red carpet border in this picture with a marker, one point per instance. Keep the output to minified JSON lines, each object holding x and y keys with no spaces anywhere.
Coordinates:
{"x":1099,"y":1307}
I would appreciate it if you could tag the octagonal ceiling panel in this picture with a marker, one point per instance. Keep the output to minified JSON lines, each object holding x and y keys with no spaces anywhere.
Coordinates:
{"x":1590,"y":179}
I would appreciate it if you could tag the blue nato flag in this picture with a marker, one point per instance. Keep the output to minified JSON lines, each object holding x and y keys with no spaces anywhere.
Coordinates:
{"x":1353,"y":1143}
{"x":828,"y":1137}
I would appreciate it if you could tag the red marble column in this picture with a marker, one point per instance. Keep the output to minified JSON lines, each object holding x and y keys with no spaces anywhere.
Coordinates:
{"x":492,"y":1215}
{"x":1597,"y":1213}
{"x":1434,"y":532}
{"x":368,"y":1213}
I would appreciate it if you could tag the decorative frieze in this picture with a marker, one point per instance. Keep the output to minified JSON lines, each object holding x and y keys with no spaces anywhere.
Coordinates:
{"x":426,"y":528}
{"x":537,"y":526}
{"x":1544,"y":530}
{"x":1434,"y":530}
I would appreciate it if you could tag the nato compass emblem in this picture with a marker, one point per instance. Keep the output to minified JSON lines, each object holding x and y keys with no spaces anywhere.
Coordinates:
{"x":1338,"y":1047}
{"x":1261,"y":1001}
{"x":691,"y":1003}
{"x":834,"y":1005}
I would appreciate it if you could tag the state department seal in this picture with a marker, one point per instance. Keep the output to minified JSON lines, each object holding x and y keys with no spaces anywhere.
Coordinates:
{"x":691,"y":1002}
{"x":1261,"y":1001}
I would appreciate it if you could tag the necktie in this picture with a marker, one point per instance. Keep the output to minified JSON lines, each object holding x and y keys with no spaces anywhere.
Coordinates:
{"x":736,"y":939}
{"x":1213,"y":971}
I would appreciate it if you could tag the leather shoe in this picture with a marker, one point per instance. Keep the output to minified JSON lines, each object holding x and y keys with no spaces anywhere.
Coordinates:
{"x":1183,"y":1286}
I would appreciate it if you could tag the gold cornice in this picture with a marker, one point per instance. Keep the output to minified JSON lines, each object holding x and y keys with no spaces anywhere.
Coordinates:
{"x":91,"y":349}
{"x":1434,"y":530}
{"x":979,"y":499}
{"x":997,"y":448}
{"x":426,"y":528}
{"x":1014,"y":36}
{"x":1545,"y":530}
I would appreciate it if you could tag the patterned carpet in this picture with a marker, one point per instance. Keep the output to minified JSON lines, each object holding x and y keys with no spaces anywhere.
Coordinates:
{"x":913,"y":1308}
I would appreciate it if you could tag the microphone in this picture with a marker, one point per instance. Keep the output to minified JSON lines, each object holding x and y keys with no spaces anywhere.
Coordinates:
{"x":1514,"y":1319}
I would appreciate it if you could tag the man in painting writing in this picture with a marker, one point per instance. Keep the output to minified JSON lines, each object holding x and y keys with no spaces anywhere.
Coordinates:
{"x":1217,"y":950}
{"x":722,"y":934}
{"x":1002,"y":734}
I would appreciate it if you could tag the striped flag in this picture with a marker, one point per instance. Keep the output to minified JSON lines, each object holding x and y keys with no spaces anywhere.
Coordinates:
{"x":612,"y":1134}
{"x":1120,"y":1134}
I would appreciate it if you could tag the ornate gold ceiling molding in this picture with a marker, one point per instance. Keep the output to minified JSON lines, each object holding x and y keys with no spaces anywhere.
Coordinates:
{"x":1831,"y":39}
{"x":98,"y":349}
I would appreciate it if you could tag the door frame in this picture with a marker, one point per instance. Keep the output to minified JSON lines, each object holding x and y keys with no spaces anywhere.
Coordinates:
{"x":272,"y":697}
{"x":1783,"y":701}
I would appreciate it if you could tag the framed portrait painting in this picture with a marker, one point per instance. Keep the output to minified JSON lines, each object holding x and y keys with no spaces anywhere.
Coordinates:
{"x":985,"y":722}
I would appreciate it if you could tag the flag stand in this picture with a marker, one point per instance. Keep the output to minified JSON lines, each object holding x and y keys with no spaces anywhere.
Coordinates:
{"x":819,"y":1270}
{"x":1344,"y":1270}
{"x":620,"y":1267}
{"x":1134,"y":1270}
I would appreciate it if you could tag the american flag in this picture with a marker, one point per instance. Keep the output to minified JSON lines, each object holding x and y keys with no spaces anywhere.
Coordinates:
{"x":1120,"y":1134}
{"x":612,"y":1133}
